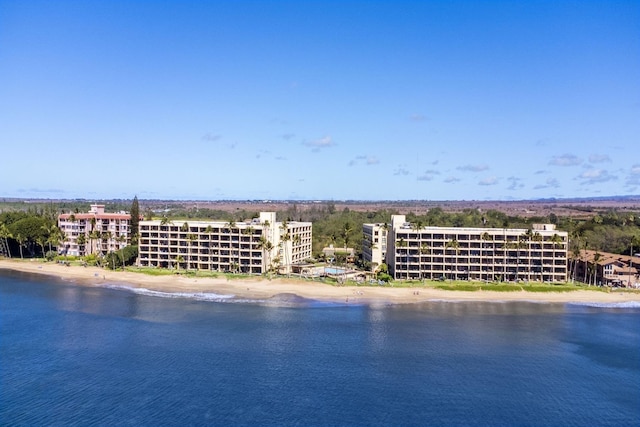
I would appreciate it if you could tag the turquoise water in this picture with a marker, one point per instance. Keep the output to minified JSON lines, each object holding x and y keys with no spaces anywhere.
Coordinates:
{"x":334,"y":270}
{"x":73,"y":355}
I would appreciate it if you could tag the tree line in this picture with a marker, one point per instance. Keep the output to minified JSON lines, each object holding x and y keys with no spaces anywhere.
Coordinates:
{"x":31,"y":229}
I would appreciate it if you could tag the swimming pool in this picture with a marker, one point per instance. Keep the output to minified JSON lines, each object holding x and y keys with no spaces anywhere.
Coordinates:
{"x":335,"y":270}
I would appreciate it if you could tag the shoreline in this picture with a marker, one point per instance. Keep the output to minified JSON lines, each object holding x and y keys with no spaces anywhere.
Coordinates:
{"x":260,"y":288}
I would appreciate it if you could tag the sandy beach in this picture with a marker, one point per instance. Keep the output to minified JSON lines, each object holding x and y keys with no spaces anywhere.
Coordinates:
{"x":261,"y":288}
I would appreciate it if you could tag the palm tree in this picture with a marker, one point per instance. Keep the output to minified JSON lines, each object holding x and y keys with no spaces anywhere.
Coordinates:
{"x":596,"y":259}
{"x":21,"y":240}
{"x":485,"y":238}
{"x":556,"y":240}
{"x":191,"y":238}
{"x":537,"y":237}
{"x":266,"y":246}
{"x":106,"y":237}
{"x":346,"y":230}
{"x":179,"y":259}
{"x":455,"y":246}
{"x":401,"y":243}
{"x":417,"y":226}
{"x":93,"y":234}
{"x":42,"y":240}
{"x":49,"y":229}
{"x":512,"y":245}
{"x":284,"y":238}
{"x":209,"y":231}
{"x":6,"y":235}
{"x":121,"y":239}
{"x":230,"y":227}
{"x":56,"y":236}
{"x":424,"y":249}
{"x":247,"y":232}
{"x":165,"y":221}
{"x":522,"y":243}
{"x":81,"y":241}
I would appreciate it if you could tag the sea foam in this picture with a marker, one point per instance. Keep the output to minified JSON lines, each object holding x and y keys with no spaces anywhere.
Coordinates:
{"x":625,"y":304}
{"x":200,"y":296}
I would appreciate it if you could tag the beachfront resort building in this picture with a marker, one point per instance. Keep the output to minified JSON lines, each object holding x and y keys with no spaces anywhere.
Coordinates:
{"x":94,"y":232}
{"x":483,"y":254}
{"x":255,"y":246}
{"x":607,"y":269}
{"x":374,"y":243}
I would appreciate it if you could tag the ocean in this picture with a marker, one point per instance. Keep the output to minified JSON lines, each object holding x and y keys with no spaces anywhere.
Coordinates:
{"x":108,"y":356}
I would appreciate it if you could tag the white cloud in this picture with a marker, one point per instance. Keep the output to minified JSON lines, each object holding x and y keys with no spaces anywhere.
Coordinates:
{"x":492,"y":180}
{"x":317,"y":144}
{"x":549,"y":183}
{"x":595,"y":176}
{"x":367,"y":160}
{"x":451,"y":180}
{"x":565,"y":160}
{"x":428,"y":175}
{"x":599,"y":158}
{"x":633,"y":179}
{"x":515,"y":183}
{"x":473,"y":168}
{"x":209,"y":137}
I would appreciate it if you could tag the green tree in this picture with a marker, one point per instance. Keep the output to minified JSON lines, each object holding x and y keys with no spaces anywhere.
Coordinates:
{"x":453,"y":245}
{"x":486,"y":237}
{"x":121,"y":239}
{"x":266,"y":246}
{"x":537,"y":238}
{"x":191,"y":238}
{"x":5,"y":234}
{"x":21,"y":240}
{"x":285,"y":237}
{"x":401,"y":243}
{"x":135,"y":220}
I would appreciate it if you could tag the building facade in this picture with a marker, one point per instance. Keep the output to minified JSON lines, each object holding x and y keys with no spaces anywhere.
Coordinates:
{"x":374,"y":243}
{"x":607,"y":269}
{"x":483,"y":254}
{"x":253,"y":247}
{"x":94,"y":232}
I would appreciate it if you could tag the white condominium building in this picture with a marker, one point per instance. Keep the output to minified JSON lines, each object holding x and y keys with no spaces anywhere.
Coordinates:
{"x":493,"y":254}
{"x":94,"y":232}
{"x":255,"y":247}
{"x":374,"y":243}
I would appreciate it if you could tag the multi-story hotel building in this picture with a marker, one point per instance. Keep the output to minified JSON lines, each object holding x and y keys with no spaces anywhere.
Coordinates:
{"x":492,"y":254}
{"x":94,"y":232}
{"x":374,"y":243}
{"x":256,"y":246}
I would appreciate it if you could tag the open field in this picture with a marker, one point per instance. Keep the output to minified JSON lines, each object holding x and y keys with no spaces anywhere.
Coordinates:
{"x":524,"y":208}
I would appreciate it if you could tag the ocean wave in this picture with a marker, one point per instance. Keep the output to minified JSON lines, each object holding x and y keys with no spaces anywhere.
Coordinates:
{"x":199,"y":296}
{"x":625,"y":304}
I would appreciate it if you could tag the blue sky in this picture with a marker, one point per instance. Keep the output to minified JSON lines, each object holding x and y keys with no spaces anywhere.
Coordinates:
{"x":369,"y":100}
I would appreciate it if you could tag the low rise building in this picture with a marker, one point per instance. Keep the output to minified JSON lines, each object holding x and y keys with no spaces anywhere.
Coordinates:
{"x":607,"y":269}
{"x":254,"y":247}
{"x":94,"y":232}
